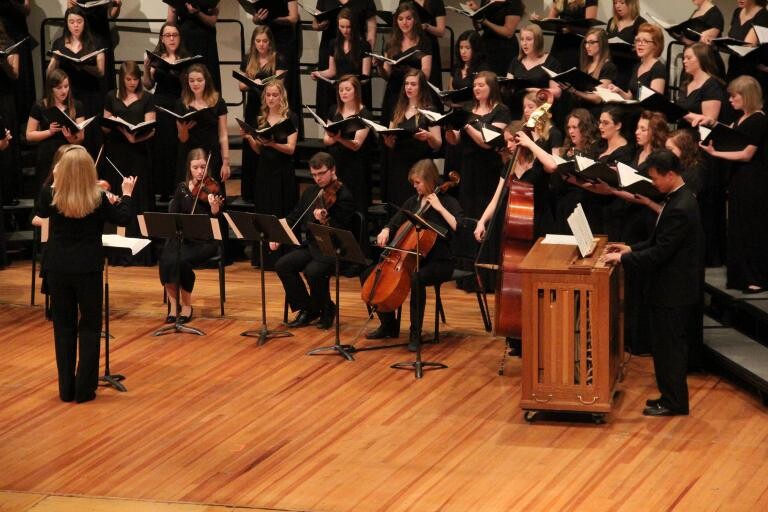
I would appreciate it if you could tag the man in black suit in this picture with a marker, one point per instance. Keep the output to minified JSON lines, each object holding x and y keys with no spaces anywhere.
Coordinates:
{"x":308,"y":259}
{"x":672,"y":264}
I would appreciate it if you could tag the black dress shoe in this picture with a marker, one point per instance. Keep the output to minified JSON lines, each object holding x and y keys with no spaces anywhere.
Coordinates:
{"x":327,"y":318}
{"x":381,"y":333}
{"x":170,"y":319}
{"x":653,"y":402}
{"x":183,"y":319}
{"x":661,"y":410}
{"x":303,"y":319}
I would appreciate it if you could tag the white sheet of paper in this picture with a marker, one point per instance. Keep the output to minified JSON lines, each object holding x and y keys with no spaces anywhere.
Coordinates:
{"x":289,"y":231}
{"x":232,"y":225}
{"x":552,"y":239}
{"x":142,"y":225}
{"x":216,"y":228}
{"x":134,"y":244}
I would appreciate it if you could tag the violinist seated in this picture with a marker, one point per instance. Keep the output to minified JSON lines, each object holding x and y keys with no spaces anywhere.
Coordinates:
{"x":327,"y":202}
{"x":195,"y":195}
{"x":437,"y":265}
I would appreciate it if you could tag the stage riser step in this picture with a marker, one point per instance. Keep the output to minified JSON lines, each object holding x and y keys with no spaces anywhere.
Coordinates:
{"x":740,"y":356}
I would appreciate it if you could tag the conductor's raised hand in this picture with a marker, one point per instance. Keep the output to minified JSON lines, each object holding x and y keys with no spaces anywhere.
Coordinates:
{"x":129,"y":182}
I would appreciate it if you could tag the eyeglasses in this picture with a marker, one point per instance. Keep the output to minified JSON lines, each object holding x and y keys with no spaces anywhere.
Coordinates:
{"x":589,"y":43}
{"x":320,"y":174}
{"x":171,"y":36}
{"x":643,"y":41}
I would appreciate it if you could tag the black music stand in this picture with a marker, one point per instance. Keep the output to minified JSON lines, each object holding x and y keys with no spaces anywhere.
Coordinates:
{"x":340,"y":245}
{"x":262,"y":228}
{"x":112,"y":380}
{"x":179,"y":226}
{"x":420,"y":224}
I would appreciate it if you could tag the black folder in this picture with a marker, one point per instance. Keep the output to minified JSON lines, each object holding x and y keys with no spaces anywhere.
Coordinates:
{"x":725,"y":138}
{"x":161,"y":63}
{"x":187,"y":117}
{"x":138,"y":130}
{"x":54,"y":115}
{"x":280,"y":130}
{"x":253,"y":84}
{"x":574,"y":78}
{"x":276,"y":8}
{"x":558,"y":24}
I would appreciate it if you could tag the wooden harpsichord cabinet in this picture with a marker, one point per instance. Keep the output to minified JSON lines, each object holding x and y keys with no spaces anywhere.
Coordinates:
{"x":573,"y":340}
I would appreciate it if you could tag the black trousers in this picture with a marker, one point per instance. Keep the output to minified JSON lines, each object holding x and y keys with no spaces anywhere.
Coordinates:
{"x":70,"y":293}
{"x":317,"y":270}
{"x":430,"y":273}
{"x":670,"y":332}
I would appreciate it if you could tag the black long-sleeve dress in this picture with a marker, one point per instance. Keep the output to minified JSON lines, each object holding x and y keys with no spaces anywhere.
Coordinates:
{"x":200,"y":39}
{"x":251,"y":111}
{"x":747,"y":215}
{"x":47,"y":148}
{"x":434,"y":8}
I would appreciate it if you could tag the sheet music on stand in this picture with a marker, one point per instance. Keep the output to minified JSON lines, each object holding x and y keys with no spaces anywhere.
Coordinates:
{"x":581,"y":230}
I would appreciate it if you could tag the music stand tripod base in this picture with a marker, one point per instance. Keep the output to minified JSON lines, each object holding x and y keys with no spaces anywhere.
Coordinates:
{"x":177,"y":327}
{"x":264,"y":334}
{"x":418,"y":366}
{"x":113,"y":381}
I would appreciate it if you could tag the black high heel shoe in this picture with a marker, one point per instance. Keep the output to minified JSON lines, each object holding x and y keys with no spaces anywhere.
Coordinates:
{"x":183,"y":319}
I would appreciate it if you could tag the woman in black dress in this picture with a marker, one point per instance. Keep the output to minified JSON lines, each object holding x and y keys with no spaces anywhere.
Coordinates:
{"x":407,"y":34}
{"x":209,"y":129}
{"x":701,"y":90}
{"x":262,"y":62}
{"x":198,"y":29}
{"x":85,"y":79}
{"x":708,"y":21}
{"x":749,"y":14}
{"x":51,"y":135}
{"x":98,"y":22}
{"x":167,"y":85}
{"x":193,"y":252}
{"x":432,"y":15}
{"x":10,"y":163}
{"x":348,"y":56}
{"x":130,"y":153}
{"x":13,"y":15}
{"x":650,"y":71}
{"x":276,"y":192}
{"x":420,"y":142}
{"x":497,"y":30}
{"x":565,"y":45}
{"x":529,"y":66}
{"x":77,"y":209}
{"x":624,"y":24}
{"x":747,"y":267}
{"x":480,"y":162}
{"x":360,"y":24}
{"x":288,"y":44}
{"x":595,"y":61}
{"x":351,"y":151}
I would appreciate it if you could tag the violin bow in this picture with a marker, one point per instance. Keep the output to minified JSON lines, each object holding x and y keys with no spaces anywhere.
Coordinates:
{"x":311,"y":204}
{"x":205,"y":175}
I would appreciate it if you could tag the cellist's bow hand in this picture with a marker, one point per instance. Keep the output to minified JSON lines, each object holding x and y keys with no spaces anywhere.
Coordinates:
{"x":321,"y":215}
{"x":382,"y":238}
{"x":480,"y":231}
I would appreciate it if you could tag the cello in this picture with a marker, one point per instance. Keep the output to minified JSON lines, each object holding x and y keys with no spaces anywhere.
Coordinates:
{"x":516,"y":238}
{"x":389,"y":283}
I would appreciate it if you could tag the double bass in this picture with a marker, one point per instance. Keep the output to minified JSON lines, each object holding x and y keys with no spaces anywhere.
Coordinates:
{"x":389,"y":283}
{"x":516,"y":238}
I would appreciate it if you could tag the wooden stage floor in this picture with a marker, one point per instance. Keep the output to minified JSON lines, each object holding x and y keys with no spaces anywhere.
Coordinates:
{"x":217,"y":420}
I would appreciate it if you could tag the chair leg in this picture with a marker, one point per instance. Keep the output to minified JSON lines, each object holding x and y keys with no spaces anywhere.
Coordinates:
{"x":438,"y":311}
{"x":222,"y":291}
{"x":285,"y":311}
{"x":398,"y":318}
{"x":483,"y":303}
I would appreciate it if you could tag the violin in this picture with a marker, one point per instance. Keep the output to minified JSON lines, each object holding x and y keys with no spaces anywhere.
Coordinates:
{"x":389,"y":283}
{"x":205,"y":187}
